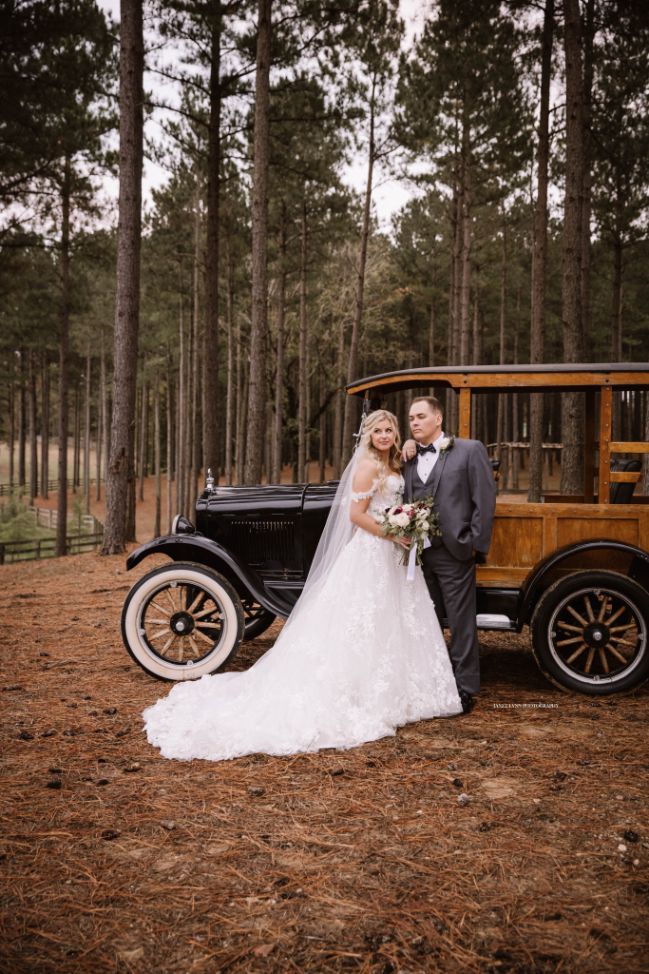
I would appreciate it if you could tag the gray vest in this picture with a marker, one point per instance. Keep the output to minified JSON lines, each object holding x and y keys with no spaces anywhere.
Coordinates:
{"x":419,"y":488}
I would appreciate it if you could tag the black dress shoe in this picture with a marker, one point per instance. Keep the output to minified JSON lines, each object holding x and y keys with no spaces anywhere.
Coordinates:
{"x":466,"y":700}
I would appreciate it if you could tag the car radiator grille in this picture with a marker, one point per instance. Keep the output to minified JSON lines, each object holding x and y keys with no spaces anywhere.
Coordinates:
{"x":265,"y":543}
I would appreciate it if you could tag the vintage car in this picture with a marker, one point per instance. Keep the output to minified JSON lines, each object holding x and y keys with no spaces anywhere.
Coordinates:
{"x":574,"y":569}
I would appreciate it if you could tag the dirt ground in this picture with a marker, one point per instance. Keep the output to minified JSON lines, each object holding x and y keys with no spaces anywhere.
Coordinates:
{"x":369,"y":860}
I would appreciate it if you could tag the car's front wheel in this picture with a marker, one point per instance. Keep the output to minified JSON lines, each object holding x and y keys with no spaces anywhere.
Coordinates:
{"x":182,"y":621}
{"x":590,"y":633}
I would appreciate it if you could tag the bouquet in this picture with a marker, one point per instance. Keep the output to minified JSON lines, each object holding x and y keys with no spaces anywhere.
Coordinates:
{"x":416,"y":521}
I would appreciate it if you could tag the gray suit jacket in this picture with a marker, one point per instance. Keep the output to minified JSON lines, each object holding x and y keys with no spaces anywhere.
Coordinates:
{"x":465,"y":496}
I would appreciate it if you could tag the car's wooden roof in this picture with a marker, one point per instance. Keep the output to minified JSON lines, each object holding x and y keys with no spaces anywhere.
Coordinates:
{"x":499,"y":378}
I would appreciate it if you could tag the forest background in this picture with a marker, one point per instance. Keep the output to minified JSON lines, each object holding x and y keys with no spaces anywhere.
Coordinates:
{"x":261,"y":278}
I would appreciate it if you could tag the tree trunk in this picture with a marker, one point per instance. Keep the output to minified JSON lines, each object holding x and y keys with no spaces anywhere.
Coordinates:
{"x":322,"y":451}
{"x":455,"y":277}
{"x":64,"y":338}
{"x":572,"y":405}
{"x":156,"y":457}
{"x":230,"y":378}
{"x":144,"y":421}
{"x":76,"y":439}
{"x":340,"y":396}
{"x":239,"y":444}
{"x":198,"y":374}
{"x":120,"y":468}
{"x":587,"y":96}
{"x":86,"y":434}
{"x":192,"y":386}
{"x":107,"y":407}
{"x":644,"y":482}
{"x":539,"y":257}
{"x":616,"y":310}
{"x":431,"y":332}
{"x":303,"y":378}
{"x":170,"y":447}
{"x":452,"y":264}
{"x":101,"y":420}
{"x":259,"y":319}
{"x":501,"y":452}
{"x":276,"y":473}
{"x":181,"y":408}
{"x":516,"y":456}
{"x":22,"y":422}
{"x":467,"y":240}
{"x":131,"y":507}
{"x":514,"y":464}
{"x":351,"y":410}
{"x":11,"y":435}
{"x":212,"y":257}
{"x":243,"y":418}
{"x":45,"y":425}
{"x":478,"y":402}
{"x":617,"y":295}
{"x":33,"y":445}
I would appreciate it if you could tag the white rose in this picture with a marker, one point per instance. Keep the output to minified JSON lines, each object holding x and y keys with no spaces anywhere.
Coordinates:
{"x":425,"y":526}
{"x":402,"y":520}
{"x":444,"y":443}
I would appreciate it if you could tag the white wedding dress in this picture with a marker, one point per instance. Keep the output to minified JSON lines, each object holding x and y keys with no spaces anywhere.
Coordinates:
{"x":364,"y":655}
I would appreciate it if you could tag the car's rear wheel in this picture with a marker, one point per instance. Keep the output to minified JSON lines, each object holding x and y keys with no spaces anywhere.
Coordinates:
{"x":182,"y":621}
{"x":590,"y":633}
{"x":256,"y":619}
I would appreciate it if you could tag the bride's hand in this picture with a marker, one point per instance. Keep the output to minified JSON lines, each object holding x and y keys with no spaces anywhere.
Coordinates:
{"x":402,"y":542}
{"x":408,"y":450}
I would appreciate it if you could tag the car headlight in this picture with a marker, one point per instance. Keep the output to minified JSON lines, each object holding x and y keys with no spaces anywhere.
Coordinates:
{"x":182,"y":525}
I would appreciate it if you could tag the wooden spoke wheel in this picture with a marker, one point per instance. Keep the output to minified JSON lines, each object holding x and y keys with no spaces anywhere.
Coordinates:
{"x":590,"y":633}
{"x":256,"y":619}
{"x":182,"y":621}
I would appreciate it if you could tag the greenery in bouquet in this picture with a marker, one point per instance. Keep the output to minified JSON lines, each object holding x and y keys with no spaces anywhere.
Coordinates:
{"x":416,"y":521}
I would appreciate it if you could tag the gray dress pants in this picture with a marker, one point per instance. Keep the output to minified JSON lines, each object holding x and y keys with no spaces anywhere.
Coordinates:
{"x":452,"y":588}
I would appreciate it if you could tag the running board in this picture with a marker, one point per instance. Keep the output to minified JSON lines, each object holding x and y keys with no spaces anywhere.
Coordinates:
{"x":491,"y":620}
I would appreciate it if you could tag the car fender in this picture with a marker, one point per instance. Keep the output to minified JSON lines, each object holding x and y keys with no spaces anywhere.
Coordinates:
{"x":539,"y":579}
{"x":199,"y":549}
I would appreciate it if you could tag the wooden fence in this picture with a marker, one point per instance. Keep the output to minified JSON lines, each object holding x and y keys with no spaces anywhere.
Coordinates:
{"x":47,"y":517}
{"x":35,"y":548}
{"x":52,"y":487}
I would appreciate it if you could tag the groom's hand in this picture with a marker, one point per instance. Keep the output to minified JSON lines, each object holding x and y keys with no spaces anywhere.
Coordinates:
{"x":409,"y":450}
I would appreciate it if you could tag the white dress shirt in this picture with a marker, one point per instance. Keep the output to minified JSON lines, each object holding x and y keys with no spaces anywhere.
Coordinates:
{"x":426,"y":461}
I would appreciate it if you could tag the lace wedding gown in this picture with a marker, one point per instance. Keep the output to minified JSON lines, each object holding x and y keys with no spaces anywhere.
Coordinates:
{"x":363,"y":656}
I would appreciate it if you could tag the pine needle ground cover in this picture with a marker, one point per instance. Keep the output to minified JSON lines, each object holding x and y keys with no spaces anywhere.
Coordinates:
{"x":515,"y":839}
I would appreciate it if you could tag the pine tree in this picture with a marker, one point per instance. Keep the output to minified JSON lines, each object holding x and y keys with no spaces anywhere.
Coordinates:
{"x":120,"y":473}
{"x":539,"y":254}
{"x":259,"y":318}
{"x":572,"y":415}
{"x":461,"y":107}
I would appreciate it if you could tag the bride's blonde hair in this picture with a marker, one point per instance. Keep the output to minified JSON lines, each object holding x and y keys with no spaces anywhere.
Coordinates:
{"x":365,"y":443}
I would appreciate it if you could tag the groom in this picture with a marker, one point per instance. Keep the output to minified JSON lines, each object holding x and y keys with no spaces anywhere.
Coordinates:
{"x":458,"y":474}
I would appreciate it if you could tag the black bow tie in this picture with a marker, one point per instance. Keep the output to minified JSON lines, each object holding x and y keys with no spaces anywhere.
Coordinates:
{"x":425,"y":449}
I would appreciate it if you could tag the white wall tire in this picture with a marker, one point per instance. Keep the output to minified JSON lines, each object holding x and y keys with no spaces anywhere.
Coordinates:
{"x":590,"y":633}
{"x":182,"y":621}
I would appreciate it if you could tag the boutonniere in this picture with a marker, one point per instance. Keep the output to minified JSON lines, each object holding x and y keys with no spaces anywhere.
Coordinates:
{"x":446,"y":444}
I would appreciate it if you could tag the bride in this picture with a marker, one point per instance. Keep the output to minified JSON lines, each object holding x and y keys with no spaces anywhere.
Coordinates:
{"x":361,"y":654}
